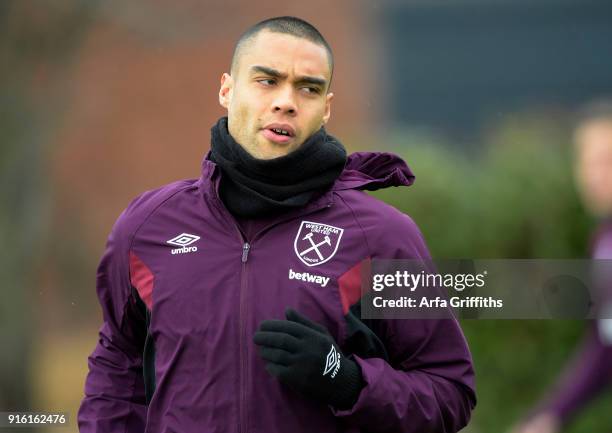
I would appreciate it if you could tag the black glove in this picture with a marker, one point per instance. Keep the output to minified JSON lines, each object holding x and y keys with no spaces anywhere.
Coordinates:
{"x":304,"y":356}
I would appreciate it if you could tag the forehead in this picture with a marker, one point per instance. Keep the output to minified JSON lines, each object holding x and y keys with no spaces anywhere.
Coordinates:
{"x":287,"y":54}
{"x":595,"y":137}
{"x":597,"y":130}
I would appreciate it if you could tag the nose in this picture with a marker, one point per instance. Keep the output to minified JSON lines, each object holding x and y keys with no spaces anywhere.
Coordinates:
{"x":285,"y":102}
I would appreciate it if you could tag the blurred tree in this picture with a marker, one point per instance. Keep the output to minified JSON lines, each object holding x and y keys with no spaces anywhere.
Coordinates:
{"x":36,"y":43}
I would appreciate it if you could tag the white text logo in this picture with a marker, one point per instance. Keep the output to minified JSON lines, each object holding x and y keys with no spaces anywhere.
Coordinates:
{"x":183,"y":240}
{"x":311,"y":278}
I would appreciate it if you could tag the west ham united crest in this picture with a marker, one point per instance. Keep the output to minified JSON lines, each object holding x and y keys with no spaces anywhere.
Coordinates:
{"x":316,"y":243}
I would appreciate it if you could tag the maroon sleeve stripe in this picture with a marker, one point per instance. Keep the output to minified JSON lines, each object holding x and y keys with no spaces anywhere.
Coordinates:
{"x":349,"y":284}
{"x":142,"y":279}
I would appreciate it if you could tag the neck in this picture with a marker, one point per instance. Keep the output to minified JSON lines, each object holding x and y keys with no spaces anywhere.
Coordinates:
{"x":252,"y":187}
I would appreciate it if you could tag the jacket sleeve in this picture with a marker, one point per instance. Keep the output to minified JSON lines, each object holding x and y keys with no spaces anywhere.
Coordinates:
{"x":584,"y":377}
{"x":428,"y":383}
{"x":114,"y":388}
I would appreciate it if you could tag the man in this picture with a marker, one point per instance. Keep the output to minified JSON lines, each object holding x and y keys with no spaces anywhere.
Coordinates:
{"x":591,"y":368}
{"x":231,"y":302}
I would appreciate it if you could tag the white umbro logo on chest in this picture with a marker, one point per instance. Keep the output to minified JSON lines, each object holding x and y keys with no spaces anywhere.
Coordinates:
{"x":184,"y":240}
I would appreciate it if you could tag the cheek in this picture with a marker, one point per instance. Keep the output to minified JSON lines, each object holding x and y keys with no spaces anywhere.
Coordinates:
{"x":607,"y":183}
{"x":245,"y":101}
{"x":599,"y":184}
{"x":241,"y":114}
{"x":316,"y":118}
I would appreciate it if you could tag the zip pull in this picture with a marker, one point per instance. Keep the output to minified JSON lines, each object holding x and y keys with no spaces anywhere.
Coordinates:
{"x":245,"y":252}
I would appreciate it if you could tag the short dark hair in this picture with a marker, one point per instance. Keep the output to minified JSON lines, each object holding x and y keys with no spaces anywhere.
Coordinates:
{"x":288,"y":25}
{"x":596,"y":110}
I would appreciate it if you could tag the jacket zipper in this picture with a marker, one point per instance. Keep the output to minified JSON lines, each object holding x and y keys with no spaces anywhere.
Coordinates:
{"x":245,"y":252}
{"x":246,"y":248}
{"x":243,"y":337}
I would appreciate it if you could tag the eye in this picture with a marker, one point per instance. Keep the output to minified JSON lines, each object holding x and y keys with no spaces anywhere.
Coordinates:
{"x":313,"y":90}
{"x":266,"y":81}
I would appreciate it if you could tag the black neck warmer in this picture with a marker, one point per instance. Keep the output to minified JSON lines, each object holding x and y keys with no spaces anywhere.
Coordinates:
{"x":253,"y":188}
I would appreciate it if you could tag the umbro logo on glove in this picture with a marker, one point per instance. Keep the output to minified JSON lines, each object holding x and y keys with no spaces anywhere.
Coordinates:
{"x":332,"y":362}
{"x":304,"y":356}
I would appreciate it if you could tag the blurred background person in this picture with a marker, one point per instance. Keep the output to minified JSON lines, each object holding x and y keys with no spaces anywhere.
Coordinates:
{"x":590,"y":370}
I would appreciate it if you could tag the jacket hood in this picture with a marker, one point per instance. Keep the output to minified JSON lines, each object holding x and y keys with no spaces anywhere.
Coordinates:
{"x":374,"y":170}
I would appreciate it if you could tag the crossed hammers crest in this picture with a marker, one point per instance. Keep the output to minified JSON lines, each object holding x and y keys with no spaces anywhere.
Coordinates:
{"x":314,"y":246}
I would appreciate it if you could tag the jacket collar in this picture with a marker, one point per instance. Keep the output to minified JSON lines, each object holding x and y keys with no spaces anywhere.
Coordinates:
{"x":374,"y":170}
{"x":363,"y":171}
{"x":209,"y":186}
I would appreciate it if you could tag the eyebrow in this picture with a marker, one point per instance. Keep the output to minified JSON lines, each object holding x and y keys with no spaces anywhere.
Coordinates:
{"x":274,"y":73}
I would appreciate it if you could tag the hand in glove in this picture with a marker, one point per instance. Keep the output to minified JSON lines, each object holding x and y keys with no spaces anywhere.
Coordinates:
{"x":303,"y":355}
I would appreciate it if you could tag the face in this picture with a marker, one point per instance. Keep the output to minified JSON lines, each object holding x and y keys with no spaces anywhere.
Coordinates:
{"x":594,"y":165}
{"x":280,"y":83}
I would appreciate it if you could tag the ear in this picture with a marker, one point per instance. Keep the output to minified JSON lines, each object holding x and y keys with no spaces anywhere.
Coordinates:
{"x":327,"y":114}
{"x":225,"y":92}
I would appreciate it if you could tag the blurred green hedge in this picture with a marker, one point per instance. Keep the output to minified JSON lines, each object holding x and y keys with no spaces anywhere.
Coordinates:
{"x":511,"y":195}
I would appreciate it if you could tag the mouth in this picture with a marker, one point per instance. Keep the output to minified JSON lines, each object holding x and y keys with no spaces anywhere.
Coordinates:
{"x":279,"y":133}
